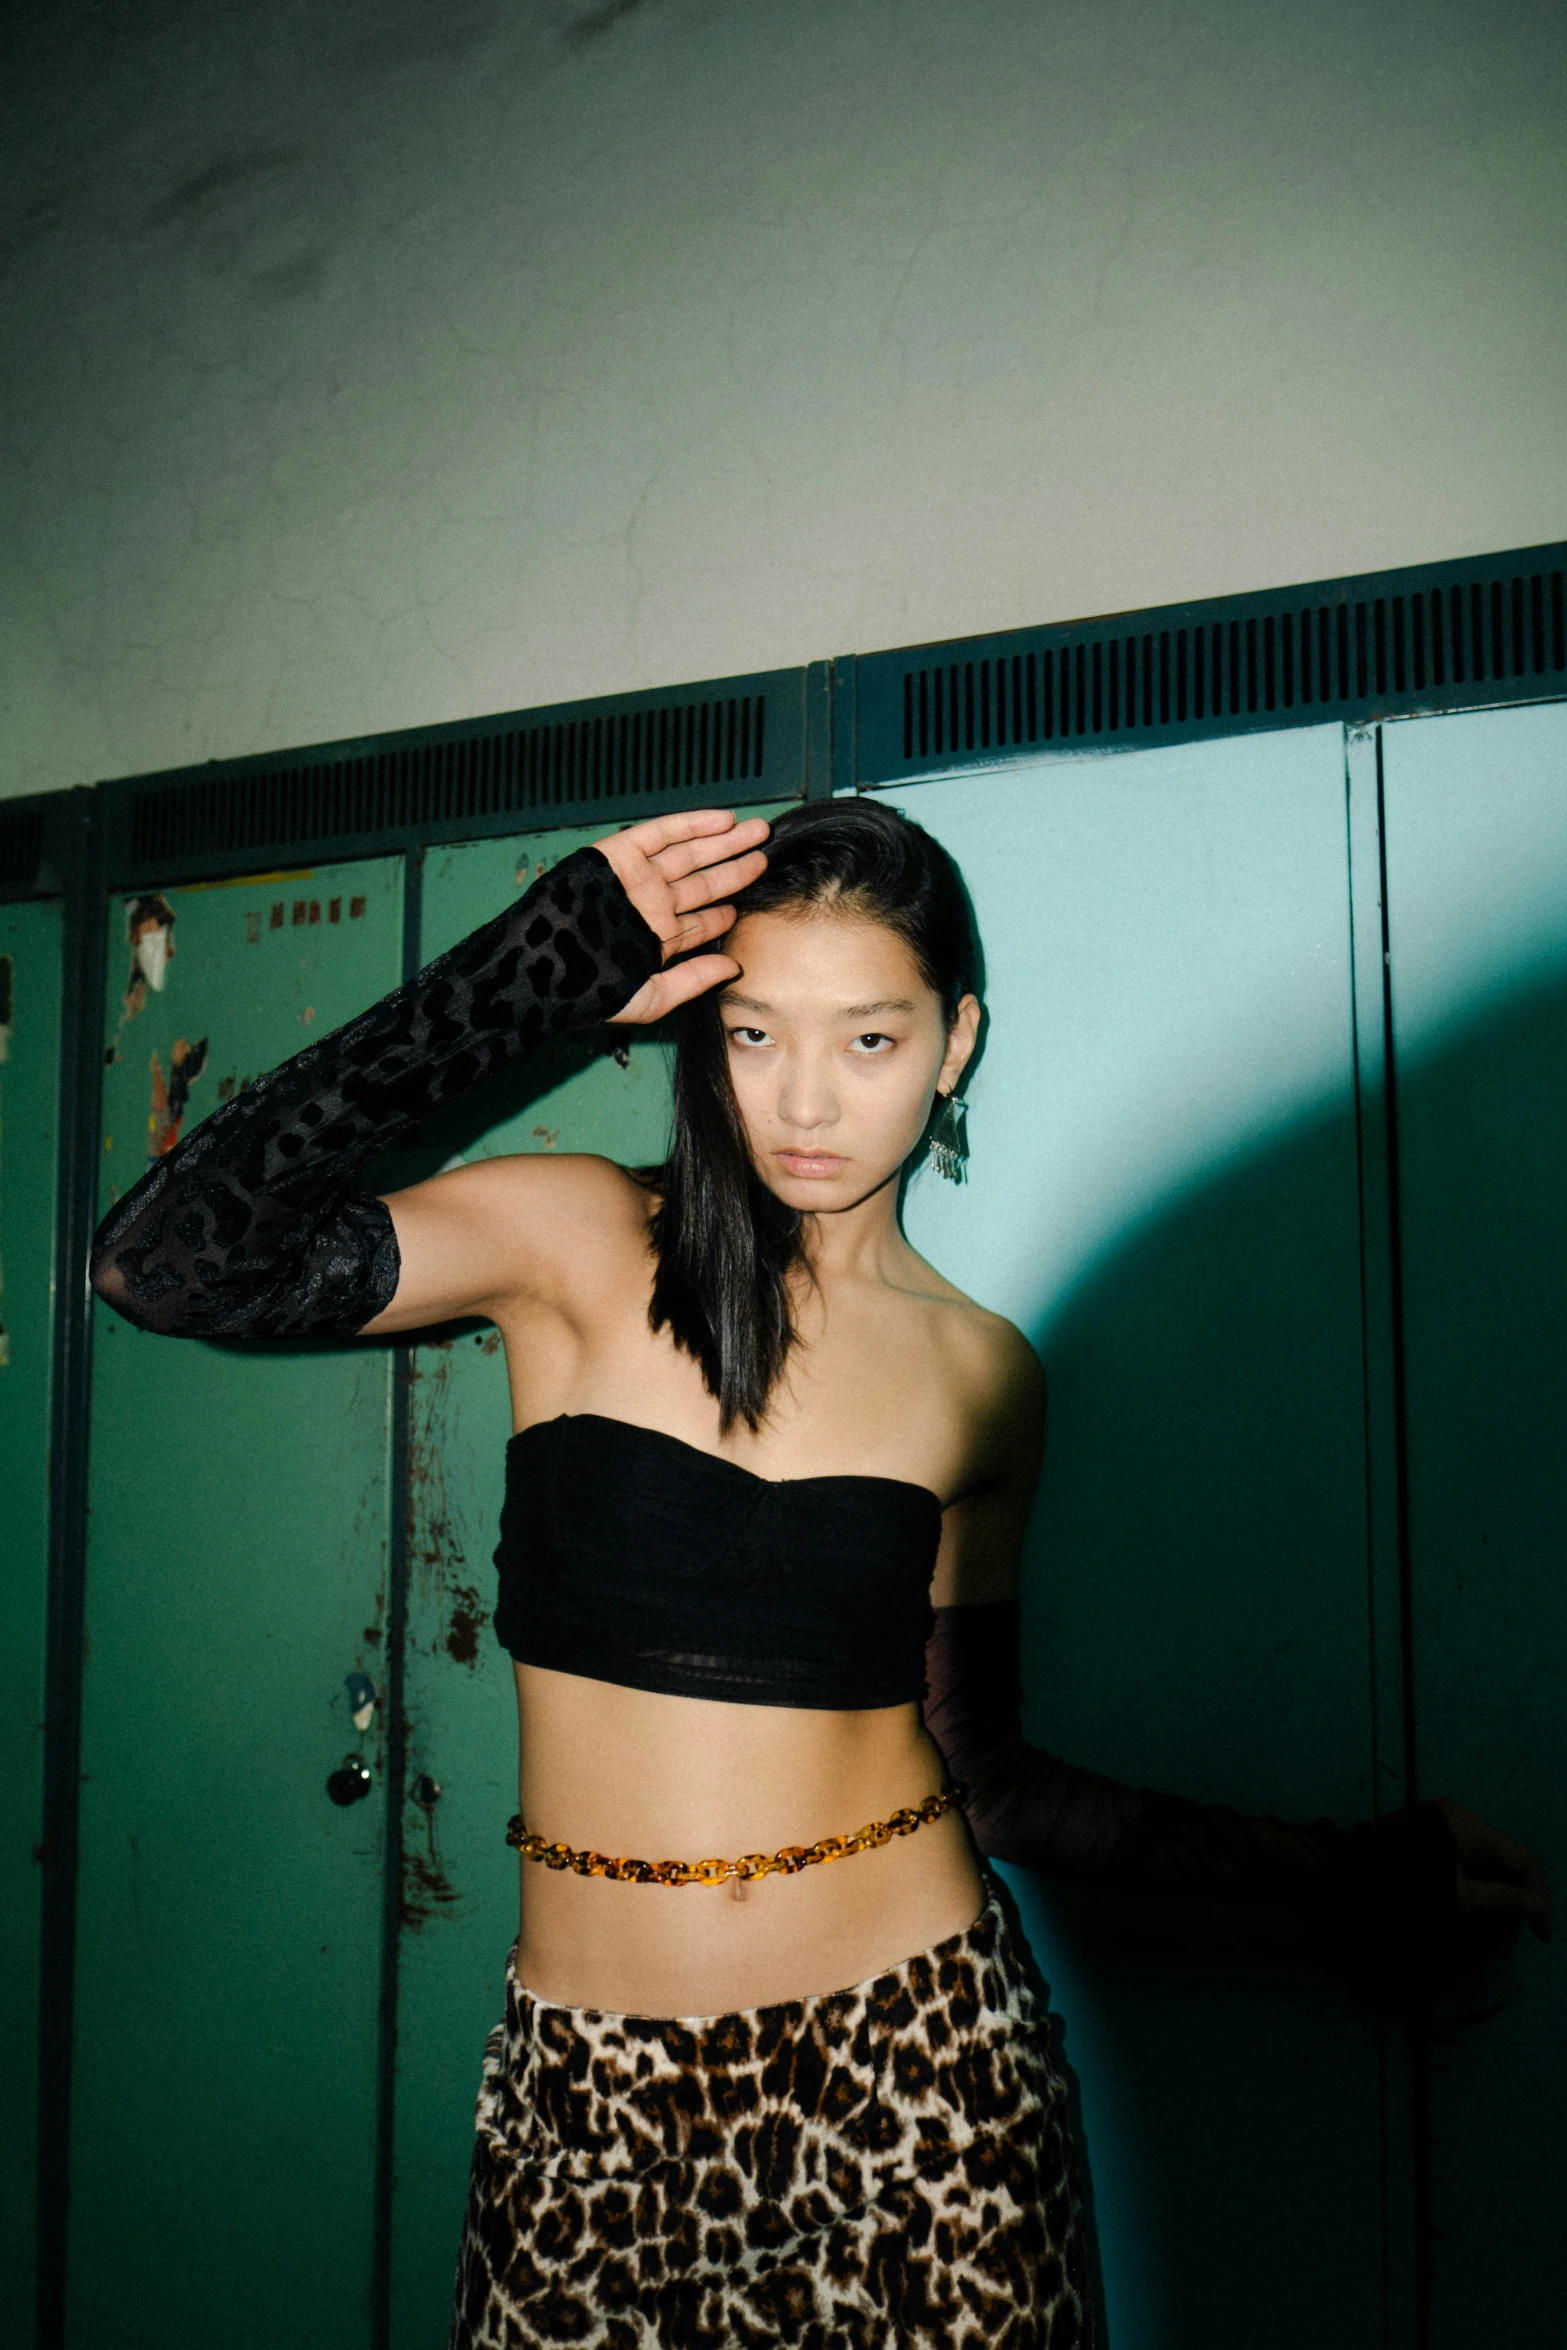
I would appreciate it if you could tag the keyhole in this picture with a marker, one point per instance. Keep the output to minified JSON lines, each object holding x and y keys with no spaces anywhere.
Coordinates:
{"x":351,"y":1783}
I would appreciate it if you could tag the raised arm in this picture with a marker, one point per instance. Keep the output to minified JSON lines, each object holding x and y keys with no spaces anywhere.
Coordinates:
{"x":252,"y":1226}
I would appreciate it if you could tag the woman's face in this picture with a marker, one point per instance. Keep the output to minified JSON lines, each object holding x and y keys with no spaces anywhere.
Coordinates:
{"x":836,"y":1048}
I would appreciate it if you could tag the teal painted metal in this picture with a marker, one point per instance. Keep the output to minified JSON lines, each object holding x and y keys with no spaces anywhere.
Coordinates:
{"x":399,"y":1168}
{"x":1393,"y":1776}
{"x":1165,"y":1193}
{"x":73,"y":861}
{"x":818,"y":731}
{"x":1476,"y":830}
{"x":1166,"y":2065}
{"x":229,"y":1916}
{"x":1405,"y":2155}
{"x":30,"y":989}
{"x":1439,"y":636}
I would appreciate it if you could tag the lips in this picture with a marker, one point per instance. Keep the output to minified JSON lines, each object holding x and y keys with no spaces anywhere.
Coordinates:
{"x":810,"y":1164}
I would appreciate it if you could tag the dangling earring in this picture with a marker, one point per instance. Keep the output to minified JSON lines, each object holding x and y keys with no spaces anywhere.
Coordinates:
{"x":949,"y":1139}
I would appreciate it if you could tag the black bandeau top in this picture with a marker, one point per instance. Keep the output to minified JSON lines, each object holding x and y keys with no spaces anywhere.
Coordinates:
{"x":630,"y":1556}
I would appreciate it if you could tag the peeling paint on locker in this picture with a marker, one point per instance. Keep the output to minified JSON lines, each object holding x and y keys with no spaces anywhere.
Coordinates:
{"x":231,"y":1900}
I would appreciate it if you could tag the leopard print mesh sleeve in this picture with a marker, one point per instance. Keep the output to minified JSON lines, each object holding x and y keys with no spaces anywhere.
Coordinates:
{"x":251,"y":1226}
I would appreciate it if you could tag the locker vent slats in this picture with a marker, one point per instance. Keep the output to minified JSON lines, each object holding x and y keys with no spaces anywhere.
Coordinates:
{"x":1488,"y":630}
{"x":629,"y":754}
{"x":1444,"y":637}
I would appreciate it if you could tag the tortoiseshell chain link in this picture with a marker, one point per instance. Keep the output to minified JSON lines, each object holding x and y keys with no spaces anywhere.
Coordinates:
{"x":787,"y":1862}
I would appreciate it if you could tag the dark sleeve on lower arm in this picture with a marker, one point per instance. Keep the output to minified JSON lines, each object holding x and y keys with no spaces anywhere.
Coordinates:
{"x":251,"y":1227}
{"x":1032,"y":1808}
{"x":1023,"y":1805}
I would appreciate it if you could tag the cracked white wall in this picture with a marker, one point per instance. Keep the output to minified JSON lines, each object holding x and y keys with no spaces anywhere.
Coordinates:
{"x":397,"y":361}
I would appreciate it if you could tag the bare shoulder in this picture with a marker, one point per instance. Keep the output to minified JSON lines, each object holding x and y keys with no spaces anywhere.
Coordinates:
{"x":993,"y":1363}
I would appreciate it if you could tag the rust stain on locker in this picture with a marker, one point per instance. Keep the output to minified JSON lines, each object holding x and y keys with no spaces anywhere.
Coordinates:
{"x":448,"y":1605}
{"x":425,"y":1886}
{"x":468,"y":1619}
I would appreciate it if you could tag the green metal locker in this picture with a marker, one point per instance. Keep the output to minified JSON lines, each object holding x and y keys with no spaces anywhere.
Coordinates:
{"x":229,"y":1927}
{"x":30,"y":993}
{"x":1476,"y":834}
{"x":1165,"y":1194}
{"x":1181,"y":1187}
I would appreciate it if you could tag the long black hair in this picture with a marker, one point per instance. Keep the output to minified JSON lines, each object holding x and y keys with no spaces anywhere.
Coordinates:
{"x":725,"y":1244}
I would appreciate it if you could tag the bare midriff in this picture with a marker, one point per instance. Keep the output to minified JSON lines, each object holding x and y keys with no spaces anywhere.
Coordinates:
{"x":625,"y":1771}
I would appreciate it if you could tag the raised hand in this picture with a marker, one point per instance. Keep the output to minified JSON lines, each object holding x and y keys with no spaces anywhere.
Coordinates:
{"x":1501,"y":1884}
{"x":681,"y":872}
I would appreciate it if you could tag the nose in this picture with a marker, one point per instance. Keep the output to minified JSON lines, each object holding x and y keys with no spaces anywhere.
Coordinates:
{"x":807,"y":1098}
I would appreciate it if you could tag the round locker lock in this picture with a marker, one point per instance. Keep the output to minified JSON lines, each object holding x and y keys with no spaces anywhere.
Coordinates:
{"x":351,"y":1784}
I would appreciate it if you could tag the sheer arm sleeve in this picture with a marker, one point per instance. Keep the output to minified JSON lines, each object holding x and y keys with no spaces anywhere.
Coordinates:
{"x":1378,"y":1882}
{"x":251,"y":1227}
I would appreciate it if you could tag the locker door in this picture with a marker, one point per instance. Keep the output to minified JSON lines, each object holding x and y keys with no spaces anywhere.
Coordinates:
{"x":30,"y":976}
{"x":224,"y":2109}
{"x":459,"y":1907}
{"x":1476,"y":834}
{"x":1164,"y":1194}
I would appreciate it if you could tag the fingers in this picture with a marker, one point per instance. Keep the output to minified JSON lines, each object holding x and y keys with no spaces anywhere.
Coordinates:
{"x":673,"y":864}
{"x":695,"y":978}
{"x":668,"y":989}
{"x":683,"y":857}
{"x":1484,"y":1851}
{"x":679,"y":843}
{"x":695,"y":929}
{"x":1505,"y":1884}
{"x":1492,"y":1893}
{"x":662,"y":832}
{"x":719,"y":881}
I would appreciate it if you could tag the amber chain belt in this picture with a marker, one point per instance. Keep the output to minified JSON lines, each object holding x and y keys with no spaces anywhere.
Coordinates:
{"x":787,"y":1861}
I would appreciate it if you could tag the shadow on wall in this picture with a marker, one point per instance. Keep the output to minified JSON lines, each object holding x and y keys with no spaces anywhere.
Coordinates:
{"x":1197,"y":1610}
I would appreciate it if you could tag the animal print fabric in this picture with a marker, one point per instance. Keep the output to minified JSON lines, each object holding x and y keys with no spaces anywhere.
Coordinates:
{"x":884,"y":2168}
{"x":250,"y":1228}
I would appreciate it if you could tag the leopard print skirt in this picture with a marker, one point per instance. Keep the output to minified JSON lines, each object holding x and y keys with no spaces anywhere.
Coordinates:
{"x":884,"y":2168}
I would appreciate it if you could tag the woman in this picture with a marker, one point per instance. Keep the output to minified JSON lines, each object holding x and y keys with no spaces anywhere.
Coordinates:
{"x":758,"y":1568}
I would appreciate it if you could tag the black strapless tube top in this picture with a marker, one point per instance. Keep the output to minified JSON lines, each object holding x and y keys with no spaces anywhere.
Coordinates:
{"x":634,"y":1557}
